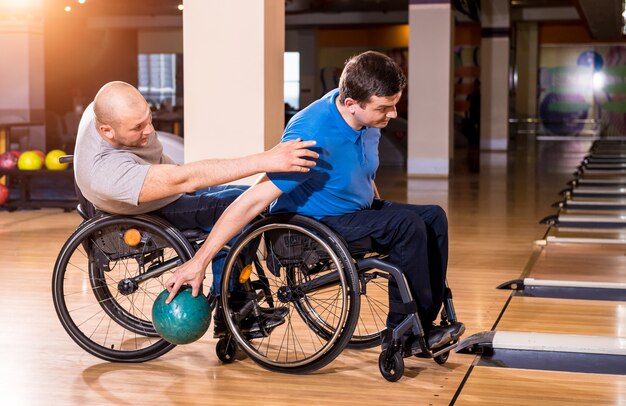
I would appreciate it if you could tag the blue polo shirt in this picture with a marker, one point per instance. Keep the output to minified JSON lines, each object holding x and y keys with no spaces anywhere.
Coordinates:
{"x":341,"y":183}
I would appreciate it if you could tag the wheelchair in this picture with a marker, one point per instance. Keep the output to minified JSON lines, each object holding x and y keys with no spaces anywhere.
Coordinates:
{"x":332,"y":299}
{"x":104,"y":284}
{"x":111,"y":269}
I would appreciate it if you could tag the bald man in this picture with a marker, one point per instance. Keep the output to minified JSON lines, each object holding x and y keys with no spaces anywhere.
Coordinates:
{"x":120,"y":166}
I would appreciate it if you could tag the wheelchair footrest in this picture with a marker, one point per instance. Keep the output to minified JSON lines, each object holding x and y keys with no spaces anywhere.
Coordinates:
{"x":478,"y":343}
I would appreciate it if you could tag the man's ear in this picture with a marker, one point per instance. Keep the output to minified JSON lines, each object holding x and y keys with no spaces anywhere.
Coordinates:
{"x":350,"y":104}
{"x":106,"y":131}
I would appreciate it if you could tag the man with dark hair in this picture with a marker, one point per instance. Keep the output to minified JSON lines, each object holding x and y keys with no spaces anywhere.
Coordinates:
{"x":340,"y":192}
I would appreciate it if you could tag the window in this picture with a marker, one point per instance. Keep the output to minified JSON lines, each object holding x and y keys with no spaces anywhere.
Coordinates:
{"x":157,"y":78}
{"x":292,"y":79}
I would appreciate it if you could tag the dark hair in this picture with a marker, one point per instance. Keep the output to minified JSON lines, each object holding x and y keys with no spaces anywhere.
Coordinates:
{"x":370,"y":74}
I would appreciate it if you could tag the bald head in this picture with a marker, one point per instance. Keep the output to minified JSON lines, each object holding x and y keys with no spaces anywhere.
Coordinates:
{"x":114,"y":100}
{"x":123,"y":117}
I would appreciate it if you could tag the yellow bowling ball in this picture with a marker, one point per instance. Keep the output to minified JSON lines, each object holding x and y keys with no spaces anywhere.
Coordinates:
{"x":29,"y":161}
{"x":52,"y":160}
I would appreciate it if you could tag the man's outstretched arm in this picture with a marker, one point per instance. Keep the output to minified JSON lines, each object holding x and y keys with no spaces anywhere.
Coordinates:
{"x":167,"y":180}
{"x":252,"y":202}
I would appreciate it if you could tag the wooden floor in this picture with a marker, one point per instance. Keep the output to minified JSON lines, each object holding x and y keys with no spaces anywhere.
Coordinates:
{"x":582,"y":262}
{"x":564,"y":316}
{"x":493,"y":216}
{"x":528,"y":387}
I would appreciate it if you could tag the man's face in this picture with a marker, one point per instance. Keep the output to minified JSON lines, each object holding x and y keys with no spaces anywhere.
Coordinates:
{"x":134,"y":127}
{"x":378,"y":111}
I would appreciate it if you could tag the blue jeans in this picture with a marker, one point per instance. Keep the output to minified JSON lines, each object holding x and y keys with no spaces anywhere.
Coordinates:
{"x":416,"y":240}
{"x":201,"y":210}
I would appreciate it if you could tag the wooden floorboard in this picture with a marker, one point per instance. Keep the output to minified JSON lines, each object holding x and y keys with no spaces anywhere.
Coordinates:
{"x":502,"y":386}
{"x":564,"y":316}
{"x":582,"y":262}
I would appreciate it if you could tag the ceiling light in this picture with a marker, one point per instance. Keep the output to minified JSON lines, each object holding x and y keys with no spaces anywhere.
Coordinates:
{"x":81,"y":1}
{"x":68,"y":8}
{"x":181,"y":7}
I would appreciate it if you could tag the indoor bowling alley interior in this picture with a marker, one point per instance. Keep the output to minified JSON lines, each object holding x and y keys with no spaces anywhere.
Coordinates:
{"x":512,"y":120}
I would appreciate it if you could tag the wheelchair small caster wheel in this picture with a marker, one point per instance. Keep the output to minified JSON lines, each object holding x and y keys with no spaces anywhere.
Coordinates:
{"x":226,"y":349}
{"x":391,"y":365}
{"x":441,"y":359}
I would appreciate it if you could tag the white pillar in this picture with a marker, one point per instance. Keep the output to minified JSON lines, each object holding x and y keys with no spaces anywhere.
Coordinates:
{"x":431,"y":37}
{"x":494,"y":76}
{"x":233,"y":77}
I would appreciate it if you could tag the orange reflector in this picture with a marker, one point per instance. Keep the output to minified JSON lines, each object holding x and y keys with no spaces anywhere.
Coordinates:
{"x":245,"y":274}
{"x":132,"y":237}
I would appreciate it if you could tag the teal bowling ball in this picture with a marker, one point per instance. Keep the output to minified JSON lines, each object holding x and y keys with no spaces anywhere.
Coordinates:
{"x":184,"y":320}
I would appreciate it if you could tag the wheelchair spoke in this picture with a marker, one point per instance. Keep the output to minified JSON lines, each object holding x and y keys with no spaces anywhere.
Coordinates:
{"x":100,"y":301}
{"x":374,"y":309}
{"x":298,"y":274}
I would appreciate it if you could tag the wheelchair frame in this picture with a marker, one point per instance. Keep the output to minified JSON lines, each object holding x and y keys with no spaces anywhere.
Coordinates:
{"x":354,"y":274}
{"x":105,"y":278}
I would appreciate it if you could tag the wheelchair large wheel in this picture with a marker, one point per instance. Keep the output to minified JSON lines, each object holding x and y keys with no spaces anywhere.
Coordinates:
{"x":295,"y":270}
{"x":372,"y":316}
{"x":374,"y":309}
{"x":105,"y":281}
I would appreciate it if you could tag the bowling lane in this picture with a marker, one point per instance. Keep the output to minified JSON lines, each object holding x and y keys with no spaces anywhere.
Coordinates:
{"x":565,"y":316}
{"x":497,"y":386}
{"x":582,"y":262}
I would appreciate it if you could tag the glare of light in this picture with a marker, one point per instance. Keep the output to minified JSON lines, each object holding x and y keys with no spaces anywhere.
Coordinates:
{"x":16,"y":4}
{"x":598,"y":80}
{"x":624,"y":17}
{"x":81,"y":1}
{"x":621,"y":315}
{"x":67,"y":8}
{"x":181,"y":7}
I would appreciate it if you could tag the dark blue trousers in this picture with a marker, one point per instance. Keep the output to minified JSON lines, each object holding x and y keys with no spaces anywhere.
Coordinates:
{"x":201,"y":210}
{"x":416,"y":240}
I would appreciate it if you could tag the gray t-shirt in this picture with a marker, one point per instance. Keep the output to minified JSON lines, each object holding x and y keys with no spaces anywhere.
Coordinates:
{"x":111,"y":178}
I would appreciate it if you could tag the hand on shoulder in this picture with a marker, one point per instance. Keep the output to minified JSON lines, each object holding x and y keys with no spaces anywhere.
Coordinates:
{"x":290,"y":156}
